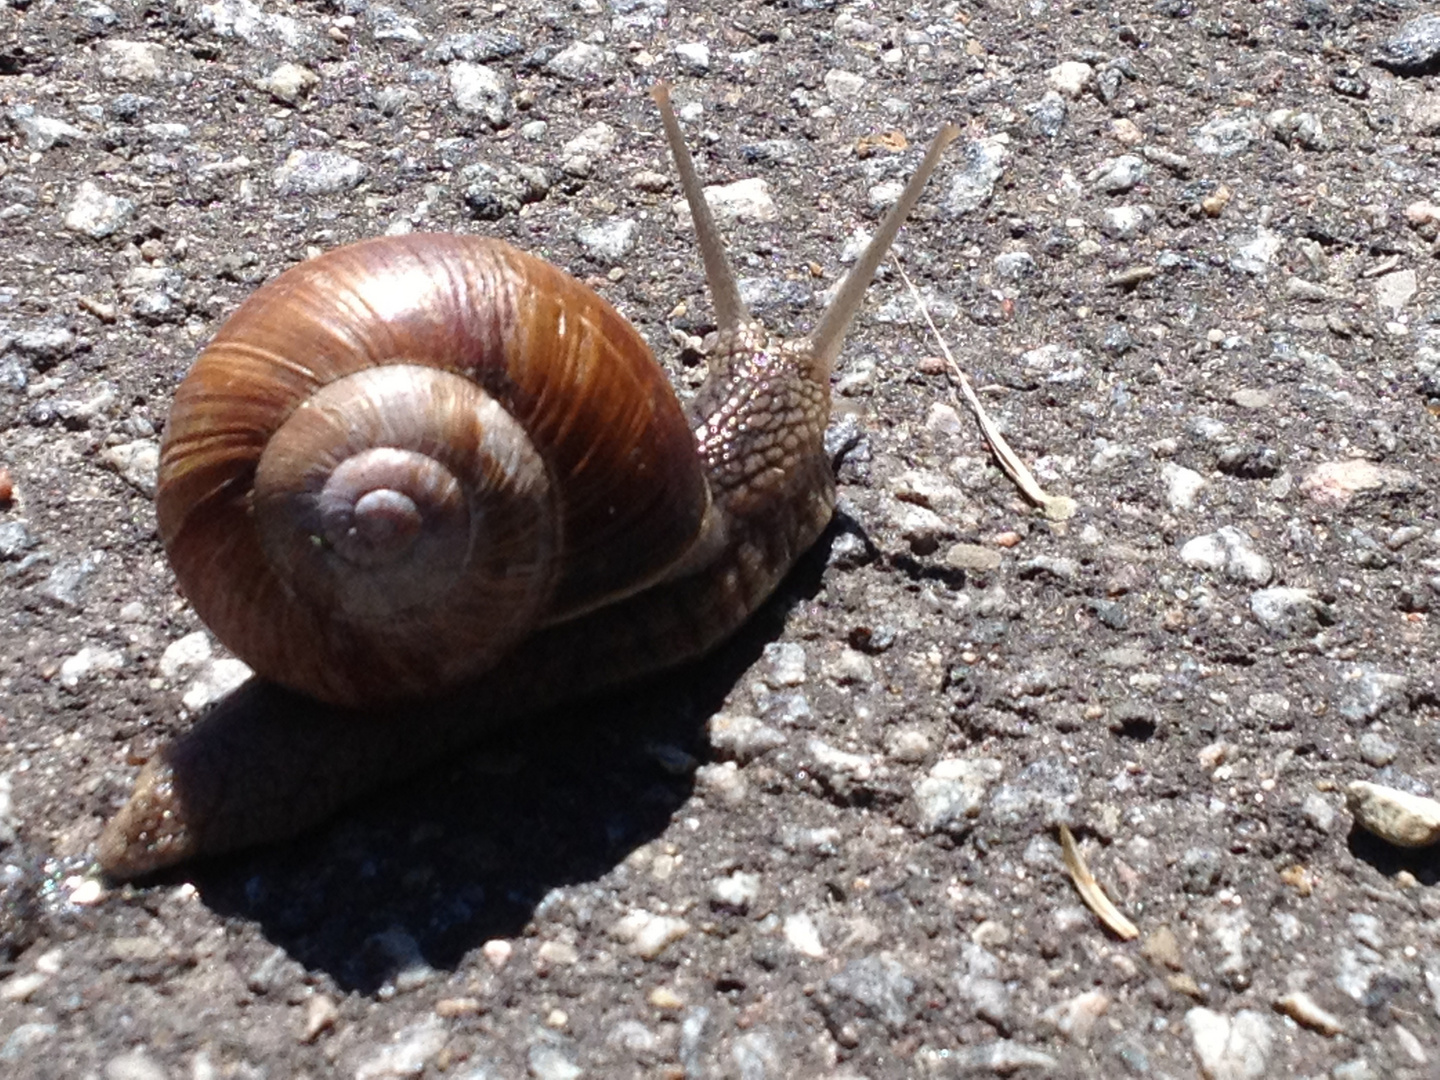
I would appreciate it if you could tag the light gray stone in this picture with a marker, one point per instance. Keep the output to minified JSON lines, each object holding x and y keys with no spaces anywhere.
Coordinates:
{"x":1286,"y":610}
{"x":878,"y":987}
{"x":89,"y":661}
{"x":1318,"y":812}
{"x":549,"y":1061}
{"x":43,"y":133}
{"x":737,"y":891}
{"x":1414,"y":47}
{"x":953,"y":794}
{"x":647,"y":935}
{"x":1395,"y":816}
{"x":787,"y":663}
{"x":213,"y":680}
{"x":978,"y":982}
{"x":609,"y":241}
{"x":843,"y":86}
{"x":387,"y":24}
{"x":577,"y":61}
{"x":1182,"y":485}
{"x":744,"y":200}
{"x":1070,"y":78}
{"x":134,"y":1065}
{"x":1228,"y":1048}
{"x":1226,"y":136}
{"x":318,"y":172}
{"x":742,"y":738}
{"x":1367,"y":693}
{"x":1395,"y":290}
{"x":480,"y":91}
{"x":1231,"y":551}
{"x":289,"y":84}
{"x":138,"y":463}
{"x":1114,"y":176}
{"x":693,"y":57}
{"x":491,"y":190}
{"x":132,"y":61}
{"x":95,"y":213}
{"x":976,"y":169}
{"x":1296,"y":127}
{"x":1255,"y":255}
{"x":246,"y":20}
{"x":407,"y":1053}
{"x":1376,"y":750}
{"x":1126,"y":222}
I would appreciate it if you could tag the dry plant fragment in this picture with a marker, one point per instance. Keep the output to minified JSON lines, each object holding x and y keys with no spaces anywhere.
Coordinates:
{"x":1298,"y":878}
{"x":1131,"y":277}
{"x":1090,"y":891}
{"x":1056,"y":507}
{"x":893,"y":141}
{"x":1301,"y":1008}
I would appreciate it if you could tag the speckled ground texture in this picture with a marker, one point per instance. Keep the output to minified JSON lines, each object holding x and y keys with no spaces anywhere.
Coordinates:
{"x":1185,"y":250}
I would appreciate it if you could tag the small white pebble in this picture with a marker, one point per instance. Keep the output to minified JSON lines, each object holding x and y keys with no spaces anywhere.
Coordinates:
{"x":182,"y":657}
{"x":85,"y":891}
{"x":800,"y":932}
{"x":320,"y":1016}
{"x":737,"y":891}
{"x":662,"y":997}
{"x":558,"y":953}
{"x":87,"y":662}
{"x":943,"y":419}
{"x":648,"y":934}
{"x":694,"y":57}
{"x":18,"y":988}
{"x":724,"y":780}
{"x":1182,"y":485}
{"x":909,"y":746}
{"x":1070,"y":78}
{"x":214,"y":680}
{"x":48,"y":962}
{"x":787,"y":663}
{"x":497,"y":951}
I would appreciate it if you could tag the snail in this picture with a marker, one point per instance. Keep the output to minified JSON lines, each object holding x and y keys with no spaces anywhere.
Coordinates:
{"x":423,"y":465}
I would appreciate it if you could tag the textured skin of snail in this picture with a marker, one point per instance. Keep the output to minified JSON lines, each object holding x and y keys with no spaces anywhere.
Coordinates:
{"x":425,"y":485}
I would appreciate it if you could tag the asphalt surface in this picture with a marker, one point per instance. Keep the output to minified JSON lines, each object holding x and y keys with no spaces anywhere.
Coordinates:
{"x":1186,"y":253}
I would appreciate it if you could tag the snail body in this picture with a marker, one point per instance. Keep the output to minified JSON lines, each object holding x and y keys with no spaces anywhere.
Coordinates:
{"x":433,"y":464}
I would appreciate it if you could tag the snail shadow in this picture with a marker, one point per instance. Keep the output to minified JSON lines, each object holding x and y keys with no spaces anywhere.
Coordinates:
{"x":421,"y":873}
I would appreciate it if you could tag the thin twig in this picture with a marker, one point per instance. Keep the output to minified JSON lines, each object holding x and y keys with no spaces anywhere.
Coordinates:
{"x":1090,"y":891}
{"x":1056,"y":507}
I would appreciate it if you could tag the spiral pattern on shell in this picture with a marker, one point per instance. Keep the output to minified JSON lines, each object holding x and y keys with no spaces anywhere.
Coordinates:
{"x":398,"y":458}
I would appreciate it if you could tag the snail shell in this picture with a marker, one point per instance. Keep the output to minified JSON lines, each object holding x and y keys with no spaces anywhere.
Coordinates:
{"x":412,"y":458}
{"x":398,"y":459}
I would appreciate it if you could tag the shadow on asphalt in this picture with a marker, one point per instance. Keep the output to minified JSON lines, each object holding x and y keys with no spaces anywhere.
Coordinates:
{"x":1389,"y":860}
{"x":426,"y":871}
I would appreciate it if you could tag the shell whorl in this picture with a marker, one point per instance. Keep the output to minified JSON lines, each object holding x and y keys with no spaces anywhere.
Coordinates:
{"x":398,"y":489}
{"x":398,"y":458}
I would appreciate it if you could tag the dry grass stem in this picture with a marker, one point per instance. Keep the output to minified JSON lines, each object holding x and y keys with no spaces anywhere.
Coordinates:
{"x":1056,"y":507}
{"x":1090,"y":891}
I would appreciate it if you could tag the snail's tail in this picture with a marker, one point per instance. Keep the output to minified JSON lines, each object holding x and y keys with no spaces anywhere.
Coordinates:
{"x":264,"y":765}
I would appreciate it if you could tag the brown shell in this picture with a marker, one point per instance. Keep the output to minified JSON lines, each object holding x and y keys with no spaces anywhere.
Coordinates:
{"x":627,"y":489}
